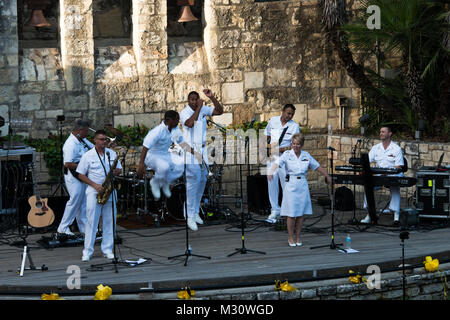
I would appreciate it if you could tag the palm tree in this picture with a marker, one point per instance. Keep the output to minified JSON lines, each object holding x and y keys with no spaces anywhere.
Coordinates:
{"x":413,"y":30}
{"x":333,"y":17}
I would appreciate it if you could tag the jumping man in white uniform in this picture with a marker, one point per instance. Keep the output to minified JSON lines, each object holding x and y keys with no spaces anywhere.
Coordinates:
{"x":155,"y":154}
{"x":279,"y":132}
{"x":194,"y":124}
{"x":75,"y":146}
{"x":93,"y":168}
{"x":387,"y":154}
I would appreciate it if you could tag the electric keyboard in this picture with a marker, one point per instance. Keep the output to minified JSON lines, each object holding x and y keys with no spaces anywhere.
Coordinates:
{"x":375,"y":170}
{"x":388,"y":181}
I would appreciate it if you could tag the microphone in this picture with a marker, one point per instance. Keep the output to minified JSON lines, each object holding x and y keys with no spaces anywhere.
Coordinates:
{"x":139,"y":131}
{"x":331,"y":148}
{"x":252,"y":123}
{"x":107,"y":154}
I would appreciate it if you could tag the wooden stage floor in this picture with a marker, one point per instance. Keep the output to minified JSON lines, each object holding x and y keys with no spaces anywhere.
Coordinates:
{"x":377,"y":244}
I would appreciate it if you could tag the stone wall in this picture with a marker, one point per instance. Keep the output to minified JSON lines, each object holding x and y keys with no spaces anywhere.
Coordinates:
{"x":254,"y":56}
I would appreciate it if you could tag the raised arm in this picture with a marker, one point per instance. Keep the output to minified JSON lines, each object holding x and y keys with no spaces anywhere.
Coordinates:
{"x":218,"y":108}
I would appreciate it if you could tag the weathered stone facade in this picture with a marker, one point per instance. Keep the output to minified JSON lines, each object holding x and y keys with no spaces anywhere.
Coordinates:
{"x":255,"y":57}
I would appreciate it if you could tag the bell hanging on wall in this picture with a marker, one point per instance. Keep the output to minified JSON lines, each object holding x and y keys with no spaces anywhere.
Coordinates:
{"x":38,"y":19}
{"x":37,"y":8}
{"x":186,"y":14}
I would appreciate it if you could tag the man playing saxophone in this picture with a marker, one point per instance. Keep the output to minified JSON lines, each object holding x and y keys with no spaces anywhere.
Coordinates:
{"x":94,"y":168}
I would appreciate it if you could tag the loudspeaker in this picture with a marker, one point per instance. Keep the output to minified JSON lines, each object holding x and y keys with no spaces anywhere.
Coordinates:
{"x":258,"y":194}
{"x":408,"y":217}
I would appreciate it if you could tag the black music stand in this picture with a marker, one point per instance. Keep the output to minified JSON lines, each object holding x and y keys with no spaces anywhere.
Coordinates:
{"x":332,"y":245}
{"x":61,"y":184}
{"x":188,"y":252}
{"x":243,"y":249}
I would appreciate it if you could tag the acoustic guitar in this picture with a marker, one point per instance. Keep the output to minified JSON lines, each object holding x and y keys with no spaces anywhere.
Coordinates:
{"x":40,"y":214}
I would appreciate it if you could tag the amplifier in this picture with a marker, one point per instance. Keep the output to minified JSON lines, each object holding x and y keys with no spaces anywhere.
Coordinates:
{"x":15,"y":167}
{"x":432,"y":194}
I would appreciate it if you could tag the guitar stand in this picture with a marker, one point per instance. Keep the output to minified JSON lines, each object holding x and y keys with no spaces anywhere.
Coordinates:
{"x":26,"y":254}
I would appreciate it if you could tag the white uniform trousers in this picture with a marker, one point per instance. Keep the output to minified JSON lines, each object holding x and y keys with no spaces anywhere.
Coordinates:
{"x":394,"y":204}
{"x":166,"y":171}
{"x":274,"y":188}
{"x":196,"y":177}
{"x":93,"y":213}
{"x":75,"y":206}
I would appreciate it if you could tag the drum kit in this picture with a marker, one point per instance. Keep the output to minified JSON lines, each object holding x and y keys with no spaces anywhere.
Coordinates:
{"x":134,"y":195}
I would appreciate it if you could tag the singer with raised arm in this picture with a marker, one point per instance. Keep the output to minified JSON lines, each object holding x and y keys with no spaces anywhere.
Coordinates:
{"x":95,"y":167}
{"x":279,"y":132}
{"x":74,"y":148}
{"x":194,"y":123}
{"x":296,"y":198}
{"x":387,"y":154}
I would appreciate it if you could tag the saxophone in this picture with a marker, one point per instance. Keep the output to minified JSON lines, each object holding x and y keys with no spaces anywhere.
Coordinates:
{"x":107,"y":185}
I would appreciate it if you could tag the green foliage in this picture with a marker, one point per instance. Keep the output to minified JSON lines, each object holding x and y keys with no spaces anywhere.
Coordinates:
{"x":51,"y":147}
{"x":413,"y":32}
{"x":133,"y":135}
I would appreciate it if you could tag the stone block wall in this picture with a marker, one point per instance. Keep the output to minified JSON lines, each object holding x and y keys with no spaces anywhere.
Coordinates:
{"x":255,"y":57}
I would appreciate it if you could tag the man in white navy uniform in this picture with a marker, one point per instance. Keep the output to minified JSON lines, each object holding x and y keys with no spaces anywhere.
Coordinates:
{"x":74,"y":148}
{"x":93,"y":168}
{"x":387,"y":154}
{"x":194,"y":124}
{"x":155,"y":154}
{"x":279,"y":132}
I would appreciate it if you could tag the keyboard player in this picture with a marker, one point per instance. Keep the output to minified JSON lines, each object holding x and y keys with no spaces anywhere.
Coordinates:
{"x":387,"y":154}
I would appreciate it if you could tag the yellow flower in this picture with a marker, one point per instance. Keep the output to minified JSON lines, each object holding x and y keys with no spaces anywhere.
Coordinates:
{"x":356,"y":278}
{"x":103,"y":293}
{"x":185,"y":294}
{"x":285,"y":286}
{"x":431,"y":265}
{"x":51,"y":296}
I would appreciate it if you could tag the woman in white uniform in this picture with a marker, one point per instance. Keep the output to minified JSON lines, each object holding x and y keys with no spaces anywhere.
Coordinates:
{"x":296,"y":198}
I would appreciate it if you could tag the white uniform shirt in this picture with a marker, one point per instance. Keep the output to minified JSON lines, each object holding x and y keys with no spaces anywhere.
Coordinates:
{"x":74,"y":149}
{"x":159,"y":139}
{"x":91,"y":166}
{"x":196,"y":136}
{"x":389,"y":158}
{"x":274,"y":129}
{"x":297,"y":166}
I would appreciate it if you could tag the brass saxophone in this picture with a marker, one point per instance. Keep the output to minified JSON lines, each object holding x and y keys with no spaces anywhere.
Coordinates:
{"x":107,"y":185}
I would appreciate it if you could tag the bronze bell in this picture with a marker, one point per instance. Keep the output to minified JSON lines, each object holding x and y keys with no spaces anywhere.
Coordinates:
{"x":38,"y":20}
{"x":186,"y":15}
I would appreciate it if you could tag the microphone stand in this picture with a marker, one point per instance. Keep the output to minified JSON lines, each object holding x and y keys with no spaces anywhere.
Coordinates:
{"x":243,"y":249}
{"x":188,"y":252}
{"x":332,"y":245}
{"x":353,"y":220}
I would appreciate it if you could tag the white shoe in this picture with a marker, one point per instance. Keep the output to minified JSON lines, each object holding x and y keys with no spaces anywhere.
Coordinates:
{"x":396,"y":216}
{"x":198,"y":219}
{"x":109,"y":255}
{"x":273,"y":216}
{"x":387,"y":211}
{"x":366,"y":219}
{"x":155,"y":189}
{"x":85,"y":258}
{"x":166,"y":191}
{"x":192,"y":224}
{"x":66,"y":231}
{"x":271,"y":220}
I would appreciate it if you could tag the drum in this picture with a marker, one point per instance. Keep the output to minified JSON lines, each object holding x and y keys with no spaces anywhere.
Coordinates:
{"x":175,"y":204}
